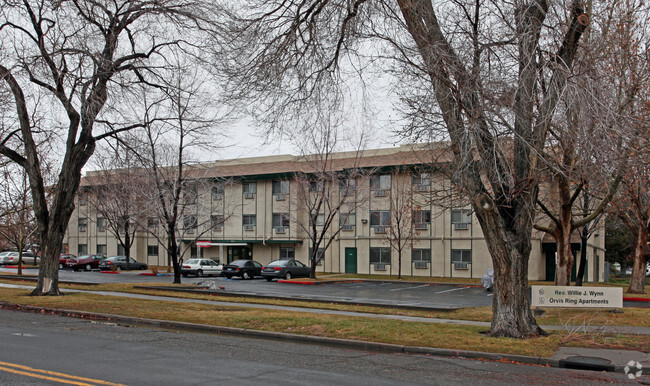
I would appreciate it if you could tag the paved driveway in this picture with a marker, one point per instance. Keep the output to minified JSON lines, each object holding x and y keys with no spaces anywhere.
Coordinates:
{"x":405,"y":294}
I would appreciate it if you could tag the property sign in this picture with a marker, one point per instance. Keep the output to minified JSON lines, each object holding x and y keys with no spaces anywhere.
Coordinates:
{"x":203,"y":244}
{"x":578,"y":297}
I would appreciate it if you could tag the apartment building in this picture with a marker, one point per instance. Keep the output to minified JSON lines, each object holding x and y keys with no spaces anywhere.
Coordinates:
{"x":255,"y":208}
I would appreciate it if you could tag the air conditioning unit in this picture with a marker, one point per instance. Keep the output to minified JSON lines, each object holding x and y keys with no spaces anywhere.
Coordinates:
{"x":380,"y":193}
{"x":280,"y":230}
{"x":347,"y":228}
{"x":421,"y":226}
{"x":249,"y":227}
{"x":347,"y":192}
{"x":189,"y":230}
{"x":421,"y":264}
{"x":461,"y":225}
{"x":422,"y":188}
{"x":217,"y":196}
{"x":461,"y":266}
{"x":380,"y":229}
{"x":380,"y":267}
{"x":280,"y":197}
{"x":249,"y":196}
{"x":217,"y":228}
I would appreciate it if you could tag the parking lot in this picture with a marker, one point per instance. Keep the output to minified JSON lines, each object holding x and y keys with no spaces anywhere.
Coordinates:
{"x":406,"y":294}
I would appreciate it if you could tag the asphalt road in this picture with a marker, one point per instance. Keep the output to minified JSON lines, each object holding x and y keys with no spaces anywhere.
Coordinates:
{"x":45,"y":349}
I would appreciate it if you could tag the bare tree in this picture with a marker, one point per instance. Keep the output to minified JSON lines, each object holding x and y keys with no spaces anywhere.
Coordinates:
{"x":78,"y":55}
{"x":17,"y":222}
{"x":406,"y":215}
{"x":589,"y":148}
{"x":327,"y":189}
{"x":633,"y":208}
{"x":115,"y":196}
{"x":185,"y":117}
{"x":492,"y":75}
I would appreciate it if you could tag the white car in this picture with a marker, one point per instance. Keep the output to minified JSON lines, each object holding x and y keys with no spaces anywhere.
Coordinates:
{"x":11,"y":258}
{"x":201,"y":267}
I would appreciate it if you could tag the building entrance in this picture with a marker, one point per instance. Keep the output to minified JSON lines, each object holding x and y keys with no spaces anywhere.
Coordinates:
{"x":239,"y":253}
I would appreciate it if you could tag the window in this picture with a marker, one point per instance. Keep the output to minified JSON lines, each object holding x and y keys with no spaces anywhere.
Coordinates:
{"x":381,"y":182}
{"x":320,"y":255}
{"x":379,"y":255}
{"x":421,"y":181}
{"x":461,"y":256}
{"x":216,"y":221}
{"x":461,"y":218}
{"x":421,"y":218}
{"x":379,"y":218}
{"x":280,"y":220}
{"x":347,"y":219}
{"x":421,"y":255}
{"x":348,"y":186}
{"x":287,"y":253}
{"x":81,"y":197}
{"x":249,"y":219}
{"x":101,"y":224}
{"x":152,"y":250}
{"x":249,"y":188}
{"x":315,"y":186}
{"x":320,"y":220}
{"x":82,"y":249}
{"x":101,"y":249}
{"x":122,"y":223}
{"x":83,"y":224}
{"x":190,"y":223}
{"x":120,"y":250}
{"x":281,"y":187}
{"x":190,"y":193}
{"x":218,"y":190}
{"x":152,"y":223}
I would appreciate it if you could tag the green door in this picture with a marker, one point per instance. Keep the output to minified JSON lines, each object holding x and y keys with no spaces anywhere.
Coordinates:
{"x":350,"y":260}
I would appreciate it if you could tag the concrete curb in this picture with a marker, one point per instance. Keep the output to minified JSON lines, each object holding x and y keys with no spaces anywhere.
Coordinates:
{"x":282,"y":336}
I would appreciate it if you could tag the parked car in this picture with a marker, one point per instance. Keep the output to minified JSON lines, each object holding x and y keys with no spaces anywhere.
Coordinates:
{"x":64,"y":257}
{"x":246,"y":269}
{"x":11,"y":258}
{"x":85,"y":262}
{"x":285,"y":269}
{"x":119,"y":262}
{"x":2,"y":256}
{"x":201,"y":267}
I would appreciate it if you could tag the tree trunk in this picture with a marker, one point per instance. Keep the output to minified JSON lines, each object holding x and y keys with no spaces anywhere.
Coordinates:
{"x":564,"y":256}
{"x":172,"y":247}
{"x":48,"y":274}
{"x":312,"y":258}
{"x":637,"y":280}
{"x":509,"y":245}
{"x":583,"y":258}
{"x":127,"y":246}
{"x":399,"y":264}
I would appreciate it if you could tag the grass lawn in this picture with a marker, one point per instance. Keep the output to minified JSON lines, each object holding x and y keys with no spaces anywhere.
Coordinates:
{"x":438,"y":335}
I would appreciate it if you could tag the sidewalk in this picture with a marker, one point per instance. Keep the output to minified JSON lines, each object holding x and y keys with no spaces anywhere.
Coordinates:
{"x":566,"y":357}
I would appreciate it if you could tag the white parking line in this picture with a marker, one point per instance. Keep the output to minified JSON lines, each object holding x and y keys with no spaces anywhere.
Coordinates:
{"x":453,"y":289}
{"x":417,"y":286}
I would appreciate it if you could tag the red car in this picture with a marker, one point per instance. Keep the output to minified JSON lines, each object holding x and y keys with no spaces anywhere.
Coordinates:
{"x":64,"y":257}
{"x":85,"y":262}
